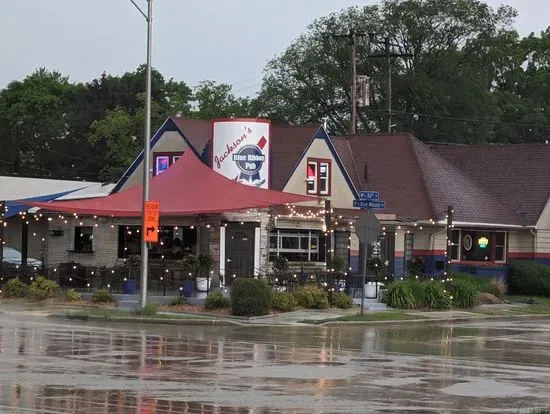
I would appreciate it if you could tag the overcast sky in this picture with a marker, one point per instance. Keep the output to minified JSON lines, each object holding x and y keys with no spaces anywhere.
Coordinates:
{"x":222,"y":40}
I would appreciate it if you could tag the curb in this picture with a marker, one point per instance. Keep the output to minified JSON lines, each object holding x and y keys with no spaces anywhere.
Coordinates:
{"x":157,"y":321}
{"x":430,"y":320}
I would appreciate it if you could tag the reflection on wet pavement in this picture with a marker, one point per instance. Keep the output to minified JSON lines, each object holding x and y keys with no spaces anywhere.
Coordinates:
{"x":49,"y":367}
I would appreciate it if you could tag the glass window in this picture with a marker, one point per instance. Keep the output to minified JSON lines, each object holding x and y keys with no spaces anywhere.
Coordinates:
{"x":324,"y":178}
{"x":164,"y":160}
{"x":455,"y":245}
{"x":500,"y":247}
{"x":295,"y":245}
{"x":174,"y":242}
{"x":83,"y":239}
{"x":318,"y":177}
{"x":477,"y":246}
{"x":311,"y":177}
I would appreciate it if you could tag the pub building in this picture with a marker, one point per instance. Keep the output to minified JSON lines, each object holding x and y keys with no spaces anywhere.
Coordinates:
{"x":499,"y":213}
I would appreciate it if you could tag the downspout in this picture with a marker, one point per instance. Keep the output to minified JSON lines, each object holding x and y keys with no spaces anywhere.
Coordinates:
{"x":534,"y":243}
{"x":431,"y":241}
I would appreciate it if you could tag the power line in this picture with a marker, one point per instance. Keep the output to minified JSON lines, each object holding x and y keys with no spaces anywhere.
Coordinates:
{"x":453,"y":118}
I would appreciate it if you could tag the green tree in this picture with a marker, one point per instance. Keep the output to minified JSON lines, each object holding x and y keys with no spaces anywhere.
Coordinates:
{"x":439,"y":84}
{"x":116,"y":132}
{"x":33,"y":115}
{"x":215,"y":100}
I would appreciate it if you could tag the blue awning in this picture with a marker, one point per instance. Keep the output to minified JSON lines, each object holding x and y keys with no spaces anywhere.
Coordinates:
{"x":14,"y":208}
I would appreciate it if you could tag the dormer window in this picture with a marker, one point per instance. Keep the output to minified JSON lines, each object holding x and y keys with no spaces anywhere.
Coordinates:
{"x":318,"y":176}
{"x":164,"y":160}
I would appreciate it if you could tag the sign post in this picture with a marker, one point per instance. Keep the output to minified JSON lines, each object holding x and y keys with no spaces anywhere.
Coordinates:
{"x":151,"y":223}
{"x":368,"y":229}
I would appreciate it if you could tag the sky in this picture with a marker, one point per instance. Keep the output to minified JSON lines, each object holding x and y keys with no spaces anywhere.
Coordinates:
{"x":193,"y":40}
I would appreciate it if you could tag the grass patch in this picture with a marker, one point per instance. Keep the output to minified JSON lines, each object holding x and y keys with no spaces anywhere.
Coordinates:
{"x":113,"y":313}
{"x":532,"y":304}
{"x":367,"y":317}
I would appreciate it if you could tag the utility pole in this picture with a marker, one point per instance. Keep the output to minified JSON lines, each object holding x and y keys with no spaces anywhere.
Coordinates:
{"x":388,"y":55}
{"x":352,"y":36}
{"x":448,"y":251}
{"x":2,"y":221}
{"x":146,"y":152}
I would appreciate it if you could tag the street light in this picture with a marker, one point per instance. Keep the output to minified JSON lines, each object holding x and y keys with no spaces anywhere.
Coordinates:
{"x":146,"y":150}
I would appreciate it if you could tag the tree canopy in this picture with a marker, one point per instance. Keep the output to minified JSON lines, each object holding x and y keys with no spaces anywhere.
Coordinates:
{"x":469,"y":77}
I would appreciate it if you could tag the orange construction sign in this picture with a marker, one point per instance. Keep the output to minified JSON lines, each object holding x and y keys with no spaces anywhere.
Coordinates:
{"x":151,"y":224}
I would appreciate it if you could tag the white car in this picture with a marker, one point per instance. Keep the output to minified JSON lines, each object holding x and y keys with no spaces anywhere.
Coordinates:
{"x":12,"y":256}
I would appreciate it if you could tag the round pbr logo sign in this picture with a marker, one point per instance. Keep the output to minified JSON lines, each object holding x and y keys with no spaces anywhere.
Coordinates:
{"x":249,"y":160}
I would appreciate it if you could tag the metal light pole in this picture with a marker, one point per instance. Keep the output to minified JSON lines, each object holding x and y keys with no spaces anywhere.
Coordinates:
{"x":146,"y":153}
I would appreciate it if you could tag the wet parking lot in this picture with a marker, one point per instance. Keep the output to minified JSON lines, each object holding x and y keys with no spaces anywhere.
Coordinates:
{"x":48,"y":366}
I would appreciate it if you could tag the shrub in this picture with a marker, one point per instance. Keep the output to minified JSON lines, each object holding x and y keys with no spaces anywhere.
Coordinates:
{"x":216,"y":300}
{"x":418,"y":290}
{"x":468,"y":277}
{"x":399,"y":296}
{"x":435,"y":296}
{"x":250,"y":297}
{"x":42,"y":288}
{"x":280,"y":264}
{"x":464,"y":293}
{"x":529,"y":278}
{"x":15,"y":289}
{"x":499,"y":285}
{"x":102,"y":296}
{"x":342,"y":300}
{"x":178,"y":301}
{"x":72,"y":296}
{"x":150,"y":309}
{"x":311,"y":297}
{"x":284,"y":302}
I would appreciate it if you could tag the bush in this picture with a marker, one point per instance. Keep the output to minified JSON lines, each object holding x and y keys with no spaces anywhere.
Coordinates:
{"x":464,"y":292}
{"x":178,"y":301}
{"x":342,"y":300}
{"x":15,"y":289}
{"x":103,"y":296}
{"x":529,"y":278}
{"x":284,"y":302}
{"x":150,"y":309}
{"x":311,"y":297}
{"x":216,"y":300}
{"x":435,"y":296}
{"x":72,"y":296}
{"x":42,"y":288}
{"x":250,"y":297}
{"x":399,"y":296}
{"x":499,"y":285}
{"x":418,"y":290}
{"x":468,"y":277}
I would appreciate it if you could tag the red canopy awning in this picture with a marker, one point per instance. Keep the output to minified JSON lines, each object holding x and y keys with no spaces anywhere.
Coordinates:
{"x":187,"y":187}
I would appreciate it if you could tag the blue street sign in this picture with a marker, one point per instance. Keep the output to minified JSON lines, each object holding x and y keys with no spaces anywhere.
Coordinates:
{"x":369,"y":195}
{"x":369,"y":204}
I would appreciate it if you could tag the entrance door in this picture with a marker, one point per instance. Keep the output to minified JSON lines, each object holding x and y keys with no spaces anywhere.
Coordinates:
{"x":239,"y":251}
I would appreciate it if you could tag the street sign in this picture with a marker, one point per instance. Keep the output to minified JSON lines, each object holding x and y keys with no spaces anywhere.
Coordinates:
{"x":151,"y":224}
{"x":367,"y":227}
{"x":369,"y":204}
{"x":369,"y":195}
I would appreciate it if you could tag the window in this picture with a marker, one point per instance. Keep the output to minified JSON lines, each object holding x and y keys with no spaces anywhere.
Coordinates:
{"x":174,"y":242}
{"x":297,"y":245}
{"x":164,"y":160}
{"x":318,"y":176}
{"x":478,"y":246}
{"x":455,"y":245}
{"x":83,"y":239}
{"x":500,"y":247}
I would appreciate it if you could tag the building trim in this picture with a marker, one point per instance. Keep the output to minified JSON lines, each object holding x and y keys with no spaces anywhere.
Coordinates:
{"x":322,"y":134}
{"x":488,"y":225}
{"x":168,"y":126}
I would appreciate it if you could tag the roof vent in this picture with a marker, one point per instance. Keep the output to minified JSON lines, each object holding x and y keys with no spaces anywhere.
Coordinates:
{"x":365,"y":171}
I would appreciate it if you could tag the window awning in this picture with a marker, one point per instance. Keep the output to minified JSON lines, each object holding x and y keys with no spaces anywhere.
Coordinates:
{"x":187,"y":187}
